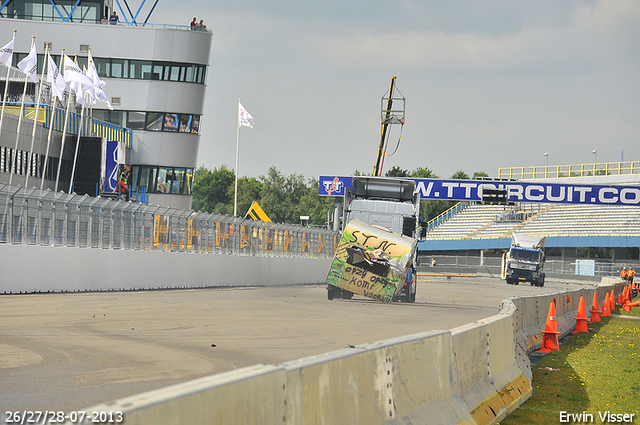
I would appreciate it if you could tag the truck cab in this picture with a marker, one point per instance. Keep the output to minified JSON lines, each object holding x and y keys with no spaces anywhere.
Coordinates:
{"x":524,"y":262}
{"x":386,"y":202}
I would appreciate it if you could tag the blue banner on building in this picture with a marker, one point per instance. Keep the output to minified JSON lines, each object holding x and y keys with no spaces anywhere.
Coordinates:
{"x":471,"y":190}
{"x":111,"y":166}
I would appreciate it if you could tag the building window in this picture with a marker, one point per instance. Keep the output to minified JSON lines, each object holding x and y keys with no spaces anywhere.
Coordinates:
{"x":170,"y":122}
{"x":114,"y":117}
{"x":151,"y":121}
{"x":154,"y":121}
{"x":174,"y":180}
{"x":129,"y":68}
{"x":136,"y":120}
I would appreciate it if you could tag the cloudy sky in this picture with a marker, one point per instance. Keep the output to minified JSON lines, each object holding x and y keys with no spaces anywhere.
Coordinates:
{"x":488,"y":84}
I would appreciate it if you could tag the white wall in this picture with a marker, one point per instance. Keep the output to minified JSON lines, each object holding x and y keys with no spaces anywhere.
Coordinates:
{"x":27,"y":268}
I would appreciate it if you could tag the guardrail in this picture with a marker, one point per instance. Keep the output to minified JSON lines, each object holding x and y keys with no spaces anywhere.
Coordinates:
{"x":574,"y":170}
{"x":91,"y":126}
{"x":445,"y":216}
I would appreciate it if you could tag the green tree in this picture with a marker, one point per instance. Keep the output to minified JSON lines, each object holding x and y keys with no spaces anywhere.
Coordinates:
{"x":460,"y":175}
{"x":211,"y":190}
{"x":479,"y":174}
{"x":249,"y":190}
{"x":397,"y":171}
{"x":432,"y":208}
{"x":423,"y":173}
{"x":314,"y":205}
{"x":281,"y":196}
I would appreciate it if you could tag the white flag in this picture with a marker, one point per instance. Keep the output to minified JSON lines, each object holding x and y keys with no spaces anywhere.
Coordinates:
{"x":73,"y":73}
{"x":29,"y":65}
{"x":6,"y":53}
{"x":78,"y":89}
{"x":55,"y":79}
{"x":244,"y":117}
{"x":97,"y":92}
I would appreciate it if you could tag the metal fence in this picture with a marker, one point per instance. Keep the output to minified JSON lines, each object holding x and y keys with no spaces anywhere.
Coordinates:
{"x":43,"y":217}
{"x":551,"y":265}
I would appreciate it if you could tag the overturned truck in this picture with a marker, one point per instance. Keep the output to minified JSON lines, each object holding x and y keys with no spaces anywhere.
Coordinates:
{"x":374,"y":262}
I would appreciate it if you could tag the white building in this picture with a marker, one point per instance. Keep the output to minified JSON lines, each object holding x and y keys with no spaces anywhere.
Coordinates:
{"x":156,"y":81}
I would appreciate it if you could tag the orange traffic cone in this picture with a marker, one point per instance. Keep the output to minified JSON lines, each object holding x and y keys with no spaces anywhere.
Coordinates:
{"x":606,"y":311}
{"x":568,"y":299}
{"x":612,"y":301}
{"x":625,"y":295}
{"x":595,"y":309}
{"x":550,"y":340}
{"x":581,"y":320}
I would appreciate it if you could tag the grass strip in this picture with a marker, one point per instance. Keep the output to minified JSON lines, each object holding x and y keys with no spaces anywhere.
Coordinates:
{"x":593,"y":373}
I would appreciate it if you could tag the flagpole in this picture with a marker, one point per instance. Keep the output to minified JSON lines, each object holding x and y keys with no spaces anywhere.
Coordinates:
{"x":6,"y":85}
{"x":235,"y":192}
{"x":51,"y":123}
{"x":75,"y":157}
{"x":24,"y":94}
{"x":46,"y":154}
{"x":35,"y":118}
{"x":64,"y":128}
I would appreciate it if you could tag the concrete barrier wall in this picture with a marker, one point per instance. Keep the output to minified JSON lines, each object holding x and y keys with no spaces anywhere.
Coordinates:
{"x":474,"y":374}
{"x":87,"y":269}
{"x":489,"y":380}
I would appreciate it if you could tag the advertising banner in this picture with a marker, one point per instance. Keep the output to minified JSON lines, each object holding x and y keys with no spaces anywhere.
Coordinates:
{"x":222,"y":234}
{"x":268,"y":239}
{"x":471,"y":190}
{"x":245,"y":236}
{"x":193,"y":233}
{"x":287,"y":240}
{"x":114,"y":157}
{"x":371,"y":261}
{"x":160,"y":230}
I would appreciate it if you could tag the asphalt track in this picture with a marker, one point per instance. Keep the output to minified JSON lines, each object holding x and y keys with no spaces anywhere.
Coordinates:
{"x":74,"y":350}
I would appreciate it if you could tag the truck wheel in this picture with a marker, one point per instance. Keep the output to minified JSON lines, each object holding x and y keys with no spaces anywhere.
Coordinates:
{"x":541,"y":282}
{"x":412,"y":298}
{"x":509,"y":282}
{"x":330,"y":293}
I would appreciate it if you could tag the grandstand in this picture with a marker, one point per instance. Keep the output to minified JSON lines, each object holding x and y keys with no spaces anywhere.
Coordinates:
{"x":476,"y":226}
{"x":492,"y":221}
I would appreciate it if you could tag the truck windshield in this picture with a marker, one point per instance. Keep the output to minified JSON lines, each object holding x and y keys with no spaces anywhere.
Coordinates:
{"x":521,"y":254}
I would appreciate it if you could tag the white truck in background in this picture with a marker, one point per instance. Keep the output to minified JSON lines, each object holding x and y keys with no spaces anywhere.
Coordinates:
{"x":524,"y":262}
{"x":377,"y":252}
